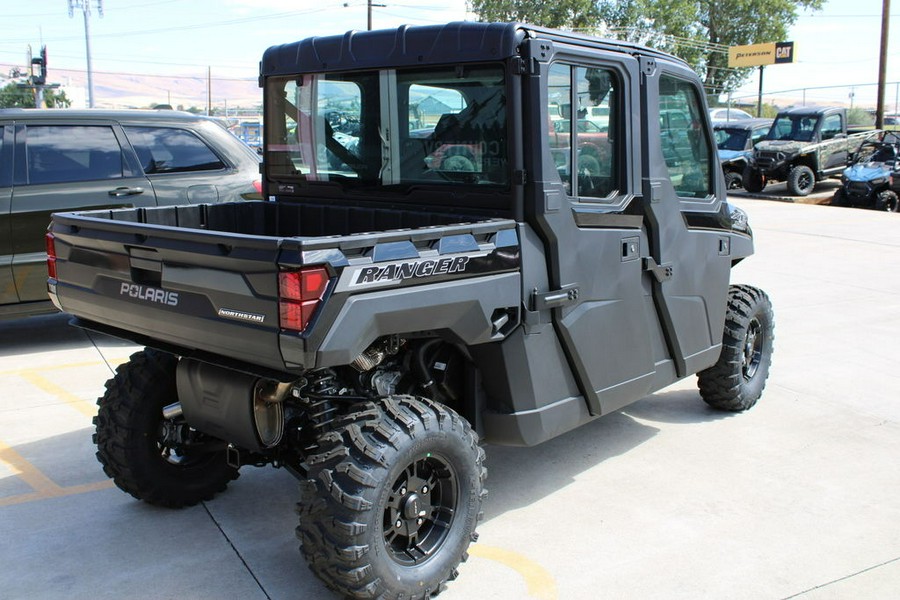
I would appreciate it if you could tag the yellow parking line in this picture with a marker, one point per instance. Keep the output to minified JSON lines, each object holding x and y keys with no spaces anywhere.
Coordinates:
{"x":39,"y":482}
{"x":63,"y":491}
{"x":42,"y":485}
{"x":77,"y":365}
{"x":40,"y":382}
{"x":538,"y":581}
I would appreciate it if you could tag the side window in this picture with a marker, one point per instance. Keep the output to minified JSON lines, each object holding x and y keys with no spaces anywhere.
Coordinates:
{"x":759,"y":135}
{"x":685,"y":145}
{"x":62,"y":153}
{"x":559,"y":110}
{"x":831,"y":127}
{"x":168,"y":150}
{"x":581,"y":139}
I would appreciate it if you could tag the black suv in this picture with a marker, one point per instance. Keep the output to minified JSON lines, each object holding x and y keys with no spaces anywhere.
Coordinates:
{"x":57,"y":160}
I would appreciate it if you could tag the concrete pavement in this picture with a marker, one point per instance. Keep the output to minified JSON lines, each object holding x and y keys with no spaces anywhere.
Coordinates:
{"x":797,"y":498}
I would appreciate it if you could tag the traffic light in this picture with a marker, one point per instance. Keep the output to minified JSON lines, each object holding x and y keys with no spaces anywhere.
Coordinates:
{"x":39,"y":76}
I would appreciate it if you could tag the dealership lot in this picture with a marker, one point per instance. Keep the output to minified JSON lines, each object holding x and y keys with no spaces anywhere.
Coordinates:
{"x":664,"y":499}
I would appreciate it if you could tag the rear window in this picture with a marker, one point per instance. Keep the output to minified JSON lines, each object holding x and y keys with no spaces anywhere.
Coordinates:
{"x":63,"y":153}
{"x":168,"y":150}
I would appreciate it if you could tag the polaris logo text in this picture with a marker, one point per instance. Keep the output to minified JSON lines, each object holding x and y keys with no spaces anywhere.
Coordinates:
{"x":149,"y":294}
{"x":411,"y":270}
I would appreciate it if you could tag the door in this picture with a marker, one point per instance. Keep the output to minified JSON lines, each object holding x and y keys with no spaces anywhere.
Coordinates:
{"x":593,"y":229}
{"x":689,"y":247}
{"x":8,"y":293}
{"x":61,"y":167}
{"x":182,"y":167}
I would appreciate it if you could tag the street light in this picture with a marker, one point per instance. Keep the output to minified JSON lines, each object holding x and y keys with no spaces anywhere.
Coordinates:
{"x":85,"y":6}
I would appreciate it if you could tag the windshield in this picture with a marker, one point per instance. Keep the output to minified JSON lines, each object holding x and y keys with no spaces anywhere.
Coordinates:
{"x":731,"y":139}
{"x":800,"y":128}
{"x":390,"y":127}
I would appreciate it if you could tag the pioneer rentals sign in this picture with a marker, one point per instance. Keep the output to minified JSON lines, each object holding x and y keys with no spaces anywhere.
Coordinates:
{"x":755,"y":55}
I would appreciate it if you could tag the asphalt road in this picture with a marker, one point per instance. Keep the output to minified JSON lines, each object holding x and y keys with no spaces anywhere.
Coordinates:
{"x":797,"y":498}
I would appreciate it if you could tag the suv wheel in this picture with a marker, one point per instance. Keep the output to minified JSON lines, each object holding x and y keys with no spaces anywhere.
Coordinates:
{"x":801,"y":181}
{"x":391,"y":500}
{"x":737,"y":380}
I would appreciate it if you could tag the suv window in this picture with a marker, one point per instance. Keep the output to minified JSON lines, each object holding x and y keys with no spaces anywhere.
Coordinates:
{"x":62,"y":153}
{"x":590,"y":148}
{"x":685,"y":144}
{"x":168,"y":150}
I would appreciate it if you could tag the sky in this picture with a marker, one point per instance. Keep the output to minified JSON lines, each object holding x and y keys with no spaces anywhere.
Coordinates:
{"x":836,"y":46}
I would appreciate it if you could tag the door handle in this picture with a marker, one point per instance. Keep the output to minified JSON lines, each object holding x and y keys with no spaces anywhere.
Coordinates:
{"x":126,"y":191}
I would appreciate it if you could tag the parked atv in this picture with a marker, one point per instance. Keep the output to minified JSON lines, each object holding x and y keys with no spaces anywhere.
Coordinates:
{"x":735,"y":141}
{"x":873,"y":179}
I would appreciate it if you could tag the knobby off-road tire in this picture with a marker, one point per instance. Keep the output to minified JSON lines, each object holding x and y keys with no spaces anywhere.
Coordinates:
{"x":392,"y":500}
{"x":733,"y":180}
{"x":887,"y":201}
{"x":801,"y":181}
{"x":737,"y":380}
{"x":128,"y":433}
{"x":753,"y":181}
{"x":839,"y":198}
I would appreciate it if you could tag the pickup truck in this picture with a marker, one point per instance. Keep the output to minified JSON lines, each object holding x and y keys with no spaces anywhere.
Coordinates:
{"x":376,"y":315}
{"x":804,"y":145}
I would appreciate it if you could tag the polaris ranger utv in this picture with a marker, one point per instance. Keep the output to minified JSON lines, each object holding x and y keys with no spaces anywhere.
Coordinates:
{"x":444,"y":271}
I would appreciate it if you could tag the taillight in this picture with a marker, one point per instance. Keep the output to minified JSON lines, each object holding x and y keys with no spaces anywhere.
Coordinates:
{"x":50,"y":240}
{"x":257,"y":185}
{"x":300,"y":293}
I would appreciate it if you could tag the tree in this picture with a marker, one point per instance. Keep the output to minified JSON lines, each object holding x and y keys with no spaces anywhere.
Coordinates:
{"x":13,"y":96}
{"x":700,"y":31}
{"x":561,"y":14}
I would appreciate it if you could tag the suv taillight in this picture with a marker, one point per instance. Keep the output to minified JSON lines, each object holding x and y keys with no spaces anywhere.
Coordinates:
{"x":50,"y":240}
{"x":300,"y":293}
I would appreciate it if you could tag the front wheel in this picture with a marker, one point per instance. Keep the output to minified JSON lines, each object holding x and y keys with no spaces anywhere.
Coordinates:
{"x":801,"y":181}
{"x":887,"y":201}
{"x":840,"y":198}
{"x":391,"y":502}
{"x":753,"y":180}
{"x":737,"y":380}
{"x":158,"y":460}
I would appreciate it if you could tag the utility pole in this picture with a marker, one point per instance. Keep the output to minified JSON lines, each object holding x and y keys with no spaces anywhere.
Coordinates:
{"x":882,"y":65}
{"x":370,"y":11}
{"x":85,"y":6}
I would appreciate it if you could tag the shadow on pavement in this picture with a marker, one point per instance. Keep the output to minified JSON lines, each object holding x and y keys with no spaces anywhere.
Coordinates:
{"x":48,"y":332}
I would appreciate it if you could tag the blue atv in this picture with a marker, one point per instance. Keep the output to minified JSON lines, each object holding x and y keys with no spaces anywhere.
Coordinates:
{"x":873,"y":178}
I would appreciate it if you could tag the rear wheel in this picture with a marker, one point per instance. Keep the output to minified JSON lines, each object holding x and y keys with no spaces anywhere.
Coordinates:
{"x":158,"y":460}
{"x":801,"y":181}
{"x":737,"y":380}
{"x":392,"y":499}
{"x":887,"y":201}
{"x":753,"y":180}
{"x":733,"y":180}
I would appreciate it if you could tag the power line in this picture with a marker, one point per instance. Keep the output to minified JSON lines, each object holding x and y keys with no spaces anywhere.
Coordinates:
{"x":211,"y":25}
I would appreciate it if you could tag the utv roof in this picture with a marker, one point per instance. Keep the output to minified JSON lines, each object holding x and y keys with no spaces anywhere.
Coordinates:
{"x":808,"y":110}
{"x":741,"y":124}
{"x":423,"y":45}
